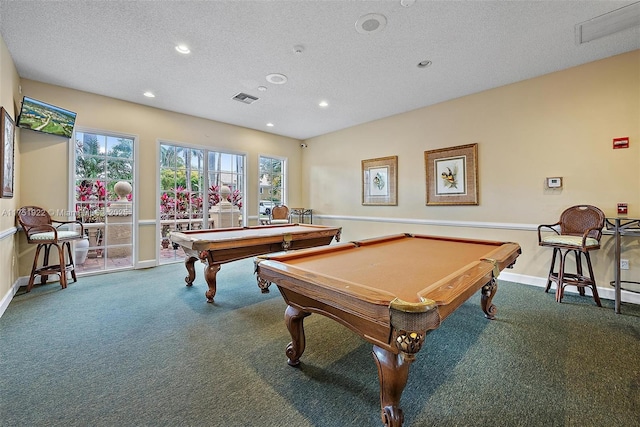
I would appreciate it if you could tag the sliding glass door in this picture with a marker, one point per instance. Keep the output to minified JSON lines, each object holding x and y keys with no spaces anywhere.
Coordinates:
{"x":103,"y":200}
{"x":190,"y":183}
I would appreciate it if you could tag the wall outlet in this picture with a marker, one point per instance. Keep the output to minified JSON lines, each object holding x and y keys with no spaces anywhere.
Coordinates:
{"x":624,"y":264}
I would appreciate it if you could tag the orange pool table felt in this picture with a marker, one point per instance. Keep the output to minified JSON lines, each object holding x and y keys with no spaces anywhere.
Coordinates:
{"x":390,"y":290}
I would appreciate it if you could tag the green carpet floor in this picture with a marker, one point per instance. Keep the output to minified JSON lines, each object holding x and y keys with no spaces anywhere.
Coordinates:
{"x":139,"y":348}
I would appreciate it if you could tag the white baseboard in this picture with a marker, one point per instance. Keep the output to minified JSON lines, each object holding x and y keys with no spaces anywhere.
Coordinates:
{"x":6,"y":299}
{"x":524,"y":279}
{"x":149,"y":263}
{"x":603,"y":292}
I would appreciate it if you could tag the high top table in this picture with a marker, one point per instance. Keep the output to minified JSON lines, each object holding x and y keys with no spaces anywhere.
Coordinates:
{"x":621,"y":225}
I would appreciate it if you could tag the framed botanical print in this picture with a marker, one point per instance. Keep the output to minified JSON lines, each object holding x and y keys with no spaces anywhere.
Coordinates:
{"x":452,"y":175}
{"x":7,"y":130}
{"x":380,"y":181}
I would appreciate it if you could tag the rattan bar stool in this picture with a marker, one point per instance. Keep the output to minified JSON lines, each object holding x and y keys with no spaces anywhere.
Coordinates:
{"x":578,"y":231}
{"x":45,"y":232}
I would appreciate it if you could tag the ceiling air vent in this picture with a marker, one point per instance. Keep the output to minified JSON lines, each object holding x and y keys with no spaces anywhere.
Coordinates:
{"x":246,"y":98}
{"x":610,"y":23}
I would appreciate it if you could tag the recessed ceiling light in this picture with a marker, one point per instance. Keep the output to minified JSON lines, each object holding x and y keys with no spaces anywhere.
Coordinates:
{"x":270,"y":125}
{"x":323,"y":104}
{"x":277,"y":78}
{"x":149,"y":94}
{"x":424,"y":64}
{"x":262,"y":88}
{"x":371,"y":23}
{"x":183,"y":49}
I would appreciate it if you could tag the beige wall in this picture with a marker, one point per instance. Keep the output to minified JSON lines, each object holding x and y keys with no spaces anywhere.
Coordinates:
{"x":149,"y":125}
{"x":9,"y":99}
{"x":42,"y":161}
{"x":561,"y":124}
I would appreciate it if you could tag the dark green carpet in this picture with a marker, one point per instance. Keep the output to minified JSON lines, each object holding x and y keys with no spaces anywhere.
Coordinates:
{"x":139,"y":348}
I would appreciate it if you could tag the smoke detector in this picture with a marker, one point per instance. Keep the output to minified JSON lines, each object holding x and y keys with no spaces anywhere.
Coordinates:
{"x":371,"y":23}
{"x":277,"y":78}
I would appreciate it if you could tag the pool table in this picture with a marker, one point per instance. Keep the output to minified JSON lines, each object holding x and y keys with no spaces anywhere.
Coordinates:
{"x":390,"y":290}
{"x":218,"y":246}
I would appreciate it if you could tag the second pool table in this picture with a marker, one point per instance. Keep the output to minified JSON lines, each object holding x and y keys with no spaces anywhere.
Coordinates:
{"x":218,"y":246}
{"x":390,"y":290}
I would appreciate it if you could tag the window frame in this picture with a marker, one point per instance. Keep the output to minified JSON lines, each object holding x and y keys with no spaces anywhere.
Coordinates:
{"x":134,"y":185}
{"x":283,"y":188}
{"x":207,"y":150}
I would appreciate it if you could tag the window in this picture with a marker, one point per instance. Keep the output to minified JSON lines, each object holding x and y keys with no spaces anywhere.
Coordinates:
{"x":271,"y":191}
{"x":181,"y":187}
{"x":103,"y":199}
{"x":190,"y":182}
{"x":226,"y":169}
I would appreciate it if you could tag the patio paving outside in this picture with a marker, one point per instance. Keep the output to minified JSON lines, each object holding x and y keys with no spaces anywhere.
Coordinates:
{"x":99,"y":263}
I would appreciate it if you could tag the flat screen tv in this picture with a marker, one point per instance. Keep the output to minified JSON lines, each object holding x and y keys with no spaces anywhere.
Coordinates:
{"x":42,"y":117}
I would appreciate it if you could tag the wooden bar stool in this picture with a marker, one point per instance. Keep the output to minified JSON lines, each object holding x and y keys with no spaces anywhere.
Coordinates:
{"x":578,"y":231}
{"x":45,"y":232}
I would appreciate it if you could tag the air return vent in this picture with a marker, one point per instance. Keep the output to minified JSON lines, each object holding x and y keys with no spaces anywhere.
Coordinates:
{"x":244,"y":97}
{"x":610,"y":23}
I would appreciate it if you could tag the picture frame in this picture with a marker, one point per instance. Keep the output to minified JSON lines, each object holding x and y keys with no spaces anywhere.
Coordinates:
{"x":380,"y":181}
{"x":452,"y":175}
{"x":7,"y":132}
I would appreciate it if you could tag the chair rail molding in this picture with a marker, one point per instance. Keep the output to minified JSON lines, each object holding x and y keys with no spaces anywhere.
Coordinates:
{"x":8,"y":232}
{"x":445,"y":223}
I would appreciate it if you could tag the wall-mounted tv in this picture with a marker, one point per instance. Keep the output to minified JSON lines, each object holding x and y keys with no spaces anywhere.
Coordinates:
{"x":42,"y":117}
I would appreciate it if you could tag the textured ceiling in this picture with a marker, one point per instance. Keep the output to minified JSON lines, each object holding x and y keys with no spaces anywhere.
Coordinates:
{"x":123,"y":48}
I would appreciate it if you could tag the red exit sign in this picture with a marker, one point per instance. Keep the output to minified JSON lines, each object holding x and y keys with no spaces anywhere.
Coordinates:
{"x":621,"y":142}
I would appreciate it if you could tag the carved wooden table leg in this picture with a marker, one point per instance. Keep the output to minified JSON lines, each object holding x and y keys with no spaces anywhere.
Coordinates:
{"x":263,"y":285}
{"x":191,"y":271}
{"x":393,"y":371}
{"x":294,"y":319}
{"x":410,"y":323}
{"x":210,"y":272}
{"x":488,"y":291}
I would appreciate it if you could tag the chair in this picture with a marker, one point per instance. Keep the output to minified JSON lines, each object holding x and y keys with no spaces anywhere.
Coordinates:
{"x":279,"y":215}
{"x":580,"y":230}
{"x":45,"y":232}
